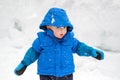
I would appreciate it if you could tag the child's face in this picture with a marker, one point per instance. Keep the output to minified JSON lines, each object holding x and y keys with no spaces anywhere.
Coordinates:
{"x":58,"y":32}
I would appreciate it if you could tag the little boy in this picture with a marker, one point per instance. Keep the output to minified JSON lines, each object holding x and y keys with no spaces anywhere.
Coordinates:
{"x":54,"y":48}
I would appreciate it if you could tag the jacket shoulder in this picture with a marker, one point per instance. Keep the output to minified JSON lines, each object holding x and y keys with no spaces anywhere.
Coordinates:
{"x":43,"y":37}
{"x":41,"y":34}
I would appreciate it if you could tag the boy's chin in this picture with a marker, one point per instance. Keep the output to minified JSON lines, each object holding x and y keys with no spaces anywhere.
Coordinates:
{"x":59,"y":37}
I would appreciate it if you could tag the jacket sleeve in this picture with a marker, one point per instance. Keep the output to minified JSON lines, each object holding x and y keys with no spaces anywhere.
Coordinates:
{"x":32,"y":53}
{"x":30,"y":56}
{"x":83,"y":49}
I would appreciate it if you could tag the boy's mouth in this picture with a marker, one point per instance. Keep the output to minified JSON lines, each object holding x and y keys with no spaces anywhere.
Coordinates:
{"x":61,"y":34}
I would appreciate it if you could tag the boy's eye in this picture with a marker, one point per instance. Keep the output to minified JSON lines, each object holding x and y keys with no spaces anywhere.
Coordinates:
{"x":61,"y":27}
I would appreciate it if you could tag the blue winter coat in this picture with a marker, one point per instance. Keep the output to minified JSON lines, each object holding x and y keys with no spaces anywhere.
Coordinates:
{"x":56,"y":55}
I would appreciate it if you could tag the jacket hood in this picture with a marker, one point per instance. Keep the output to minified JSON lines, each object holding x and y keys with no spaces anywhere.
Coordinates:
{"x":56,"y":17}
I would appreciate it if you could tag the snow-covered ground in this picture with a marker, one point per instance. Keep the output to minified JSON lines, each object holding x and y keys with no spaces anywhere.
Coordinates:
{"x":96,"y":22}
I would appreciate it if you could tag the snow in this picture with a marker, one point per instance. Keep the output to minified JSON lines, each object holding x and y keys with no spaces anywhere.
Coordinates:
{"x":96,"y":22}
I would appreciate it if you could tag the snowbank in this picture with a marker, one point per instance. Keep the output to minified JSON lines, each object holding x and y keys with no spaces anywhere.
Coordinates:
{"x":96,"y":23}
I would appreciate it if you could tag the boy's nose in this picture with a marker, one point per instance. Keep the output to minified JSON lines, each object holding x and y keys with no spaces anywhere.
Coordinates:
{"x":59,"y":31}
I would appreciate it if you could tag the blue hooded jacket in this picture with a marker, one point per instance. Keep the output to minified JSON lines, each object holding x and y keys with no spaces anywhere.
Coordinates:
{"x":56,"y":55}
